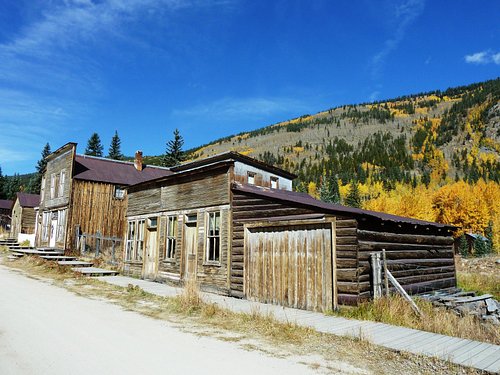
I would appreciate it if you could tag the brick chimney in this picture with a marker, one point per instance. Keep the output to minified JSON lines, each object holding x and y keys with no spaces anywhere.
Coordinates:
{"x":138,"y":160}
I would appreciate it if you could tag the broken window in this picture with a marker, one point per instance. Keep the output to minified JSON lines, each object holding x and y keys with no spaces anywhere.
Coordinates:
{"x":274,"y":182}
{"x":119,"y":193}
{"x":52,"y":186}
{"x":61,"y":221}
{"x":213,"y":237}
{"x":62,"y":180}
{"x":140,"y":239}
{"x":251,"y":178}
{"x":130,"y":240}
{"x":171,"y":237}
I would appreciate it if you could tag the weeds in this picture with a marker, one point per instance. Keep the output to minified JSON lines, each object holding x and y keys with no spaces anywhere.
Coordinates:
{"x":395,"y":310}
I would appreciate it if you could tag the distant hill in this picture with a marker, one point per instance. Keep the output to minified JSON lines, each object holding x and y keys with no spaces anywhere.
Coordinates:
{"x":435,"y":135}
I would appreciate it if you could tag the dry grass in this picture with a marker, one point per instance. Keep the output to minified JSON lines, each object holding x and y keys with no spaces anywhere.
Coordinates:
{"x":395,"y":310}
{"x":481,"y":275}
{"x":253,"y":331}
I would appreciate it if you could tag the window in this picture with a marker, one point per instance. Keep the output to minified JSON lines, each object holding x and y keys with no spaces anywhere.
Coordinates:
{"x":171,"y":237}
{"x":153,"y":222}
{"x":213,"y":237}
{"x":130,"y":240}
{"x":119,"y":193}
{"x":45,"y":226}
{"x":52,"y":186}
{"x":274,"y":182}
{"x":140,"y":239}
{"x":42,"y":190}
{"x":60,"y":225}
{"x":191,"y":218}
{"x":135,"y":240}
{"x":251,"y":178}
{"x":62,"y":180}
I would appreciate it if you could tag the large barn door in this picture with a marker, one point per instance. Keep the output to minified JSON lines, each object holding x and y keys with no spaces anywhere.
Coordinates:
{"x":291,"y":265}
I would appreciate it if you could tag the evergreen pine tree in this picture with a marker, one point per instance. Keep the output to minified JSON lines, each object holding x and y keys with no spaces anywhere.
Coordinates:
{"x":36,"y":182}
{"x":463,"y":247}
{"x":353,"y":199}
{"x":114,"y":151}
{"x":480,"y":247}
{"x":174,"y":154}
{"x":489,"y":238}
{"x":94,"y":146}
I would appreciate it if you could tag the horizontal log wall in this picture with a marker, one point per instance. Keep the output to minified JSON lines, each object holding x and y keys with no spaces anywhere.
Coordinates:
{"x":419,"y":262}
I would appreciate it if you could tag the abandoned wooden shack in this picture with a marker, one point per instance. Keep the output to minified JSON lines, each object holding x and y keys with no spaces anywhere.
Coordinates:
{"x":23,"y":216}
{"x":234,"y":225}
{"x":84,"y":197}
{"x":5,"y":213}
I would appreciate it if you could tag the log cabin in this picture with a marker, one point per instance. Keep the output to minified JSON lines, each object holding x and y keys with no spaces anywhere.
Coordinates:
{"x":234,"y":225}
{"x":23,"y":215}
{"x":86,"y":194}
{"x":5,"y":213}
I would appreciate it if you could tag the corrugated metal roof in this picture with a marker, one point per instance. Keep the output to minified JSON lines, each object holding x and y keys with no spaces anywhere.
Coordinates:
{"x":90,"y":168}
{"x":6,"y":204}
{"x":306,"y":200}
{"x":28,"y":200}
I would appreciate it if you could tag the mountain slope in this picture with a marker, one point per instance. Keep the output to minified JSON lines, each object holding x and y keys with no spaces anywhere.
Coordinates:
{"x":418,"y":138}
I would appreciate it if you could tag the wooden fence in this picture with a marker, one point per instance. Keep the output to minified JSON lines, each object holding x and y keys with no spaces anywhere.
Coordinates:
{"x":98,"y":246}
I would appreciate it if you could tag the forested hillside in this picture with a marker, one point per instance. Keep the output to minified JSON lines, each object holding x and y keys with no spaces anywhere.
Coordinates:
{"x":434,"y":156}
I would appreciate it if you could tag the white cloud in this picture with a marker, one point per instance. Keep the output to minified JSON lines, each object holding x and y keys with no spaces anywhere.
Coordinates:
{"x":477,"y":58}
{"x":483,"y":57}
{"x":374,"y":96}
{"x":405,"y":14}
{"x":496,"y":58}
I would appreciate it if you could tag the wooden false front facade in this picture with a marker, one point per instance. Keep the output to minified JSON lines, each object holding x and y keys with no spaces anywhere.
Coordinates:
{"x":274,"y":246}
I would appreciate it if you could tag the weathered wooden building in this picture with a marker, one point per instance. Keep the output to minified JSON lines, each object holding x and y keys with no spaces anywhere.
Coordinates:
{"x":5,"y":213}
{"x":234,"y":225}
{"x":85,"y":194}
{"x":23,"y":214}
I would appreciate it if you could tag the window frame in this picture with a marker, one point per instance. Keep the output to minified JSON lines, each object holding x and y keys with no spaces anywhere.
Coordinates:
{"x":61,"y":221}
{"x":119,"y":193}
{"x":171,"y":229}
{"x":62,"y":181}
{"x":213,"y":257}
{"x":251,"y":178}
{"x":130,"y":242}
{"x":52,"y":186}
{"x":276,"y":180}
{"x":139,"y":246}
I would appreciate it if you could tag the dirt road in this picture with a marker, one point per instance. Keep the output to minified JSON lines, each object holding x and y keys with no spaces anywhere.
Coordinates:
{"x":48,"y":330}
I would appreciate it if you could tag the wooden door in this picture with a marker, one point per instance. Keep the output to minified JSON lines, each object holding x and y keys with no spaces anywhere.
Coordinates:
{"x":190,"y":230}
{"x":53,"y":233}
{"x":151,"y":258}
{"x":290,"y":266}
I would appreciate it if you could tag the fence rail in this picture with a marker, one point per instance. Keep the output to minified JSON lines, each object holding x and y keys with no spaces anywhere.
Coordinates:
{"x":99,"y":246}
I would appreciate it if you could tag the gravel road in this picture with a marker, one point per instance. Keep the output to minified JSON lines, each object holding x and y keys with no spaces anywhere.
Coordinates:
{"x":45,"y":329}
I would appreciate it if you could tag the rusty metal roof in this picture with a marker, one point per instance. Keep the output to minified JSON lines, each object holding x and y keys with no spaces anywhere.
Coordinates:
{"x":28,"y":200}
{"x":305,"y":199}
{"x":6,"y":204}
{"x":233,"y":155}
{"x":91,"y":168}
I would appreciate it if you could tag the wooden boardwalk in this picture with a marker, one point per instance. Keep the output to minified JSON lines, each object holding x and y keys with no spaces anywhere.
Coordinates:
{"x":464,"y":352}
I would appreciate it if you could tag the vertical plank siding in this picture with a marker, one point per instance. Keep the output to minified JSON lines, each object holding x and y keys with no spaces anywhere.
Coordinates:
{"x":95,"y":209}
{"x":290,"y":266}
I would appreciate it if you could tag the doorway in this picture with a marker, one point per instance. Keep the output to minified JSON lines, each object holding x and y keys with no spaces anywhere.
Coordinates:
{"x":190,"y":250}
{"x":151,"y":259}
{"x":53,"y":232}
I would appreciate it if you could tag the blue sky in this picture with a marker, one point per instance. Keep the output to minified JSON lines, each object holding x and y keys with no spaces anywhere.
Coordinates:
{"x":214,"y":68}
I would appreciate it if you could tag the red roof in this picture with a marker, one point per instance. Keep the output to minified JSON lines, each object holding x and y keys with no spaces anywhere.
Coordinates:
{"x":6,"y":204}
{"x":90,"y":168}
{"x":305,"y":199}
{"x":28,"y":200}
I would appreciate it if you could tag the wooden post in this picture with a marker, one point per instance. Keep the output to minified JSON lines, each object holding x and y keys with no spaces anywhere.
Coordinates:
{"x":386,"y":280}
{"x":83,"y":243}
{"x":97,"y":243}
{"x":405,"y":295}
{"x":376,"y":275}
